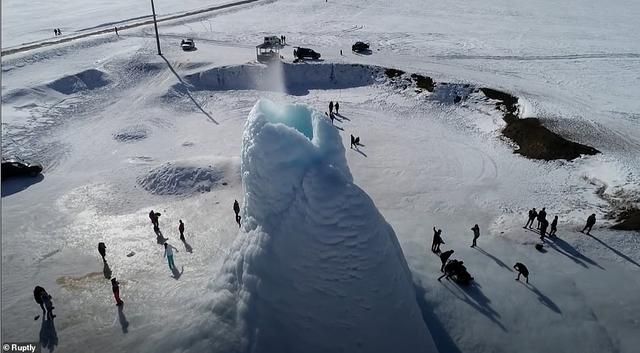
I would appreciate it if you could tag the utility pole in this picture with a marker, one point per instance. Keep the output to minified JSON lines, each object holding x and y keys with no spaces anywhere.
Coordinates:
{"x":155,"y":24}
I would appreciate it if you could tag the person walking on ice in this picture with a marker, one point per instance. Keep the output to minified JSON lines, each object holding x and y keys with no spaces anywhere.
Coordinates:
{"x":590,"y":222}
{"x":115,"y":287}
{"x":153,"y":216}
{"x":444,"y":257}
{"x":554,"y":227}
{"x":236,"y":210}
{"x":437,"y":240}
{"x":476,"y":235}
{"x":337,"y":105}
{"x":522,"y":270}
{"x":532,"y":216}
{"x":168,"y":253}
{"x":181,"y":230}
{"x":102,"y":249}
{"x":331,"y":107}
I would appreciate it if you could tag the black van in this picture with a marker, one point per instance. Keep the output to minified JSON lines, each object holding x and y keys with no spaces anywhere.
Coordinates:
{"x":305,"y":53}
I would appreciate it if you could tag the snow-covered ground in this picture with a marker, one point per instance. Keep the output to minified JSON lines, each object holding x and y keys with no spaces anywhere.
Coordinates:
{"x":121,"y":130}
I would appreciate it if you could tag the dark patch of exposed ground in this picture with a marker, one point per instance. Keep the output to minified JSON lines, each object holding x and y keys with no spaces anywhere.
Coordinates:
{"x":628,"y":220}
{"x":537,"y":142}
{"x":534,"y":140}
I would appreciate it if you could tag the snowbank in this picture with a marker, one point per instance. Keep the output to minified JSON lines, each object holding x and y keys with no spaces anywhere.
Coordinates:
{"x":184,"y":177}
{"x":316,"y":268}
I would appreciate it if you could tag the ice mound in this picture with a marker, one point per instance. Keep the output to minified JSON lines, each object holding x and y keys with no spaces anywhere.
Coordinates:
{"x":85,"y":80}
{"x":316,"y":268}
{"x":131,"y":134}
{"x":183,"y":178}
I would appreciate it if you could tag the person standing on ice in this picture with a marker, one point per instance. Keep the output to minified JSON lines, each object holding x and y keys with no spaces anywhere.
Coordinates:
{"x":168,"y":253}
{"x":554,"y":227}
{"x":102,"y":249}
{"x":476,"y":235}
{"x":45,"y":299}
{"x":116,"y":30}
{"x":444,"y":257}
{"x":543,"y":229}
{"x":38,"y":295}
{"x":353,"y":141}
{"x":437,"y":240}
{"x":115,"y":287}
{"x":154,"y":216}
{"x":236,"y":210}
{"x":181,"y":229}
{"x":590,"y":222}
{"x":337,"y":105}
{"x":522,"y":270}
{"x":542,"y":215}
{"x":330,"y":107}
{"x":532,"y":216}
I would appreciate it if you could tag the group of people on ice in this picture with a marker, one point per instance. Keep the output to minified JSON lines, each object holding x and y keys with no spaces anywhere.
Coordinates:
{"x":456,"y":270}
{"x":355,"y":140}
{"x":543,"y":224}
{"x":45,"y":300}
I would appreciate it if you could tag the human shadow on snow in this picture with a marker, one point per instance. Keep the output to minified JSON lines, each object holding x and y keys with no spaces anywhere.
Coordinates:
{"x":472,"y":295}
{"x":495,"y":259}
{"x":48,"y":334}
{"x":615,"y":251}
{"x":106,"y":271}
{"x":546,"y":301}
{"x":443,"y":341}
{"x":124,"y":324}
{"x":569,"y":251}
{"x":177,"y":274}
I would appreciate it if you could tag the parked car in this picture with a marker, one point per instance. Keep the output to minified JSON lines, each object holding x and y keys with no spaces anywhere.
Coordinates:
{"x":187,"y":44}
{"x":272,"y":41}
{"x":306,"y":53}
{"x":360,"y":47}
{"x":18,"y":167}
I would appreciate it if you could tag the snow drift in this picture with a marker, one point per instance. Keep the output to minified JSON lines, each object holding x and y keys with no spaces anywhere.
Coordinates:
{"x":184,"y":177}
{"x":316,"y":268}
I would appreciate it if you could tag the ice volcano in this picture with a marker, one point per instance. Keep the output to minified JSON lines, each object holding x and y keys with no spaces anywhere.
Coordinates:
{"x":316,"y":268}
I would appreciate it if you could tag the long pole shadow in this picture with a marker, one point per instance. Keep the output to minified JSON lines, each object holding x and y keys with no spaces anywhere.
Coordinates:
{"x":615,"y":251}
{"x":186,"y":90}
{"x":342,"y":116}
{"x":495,"y":259}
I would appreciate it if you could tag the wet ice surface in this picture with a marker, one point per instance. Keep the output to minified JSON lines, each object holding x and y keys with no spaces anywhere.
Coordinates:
{"x":424,"y":163}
